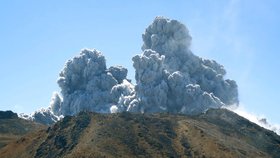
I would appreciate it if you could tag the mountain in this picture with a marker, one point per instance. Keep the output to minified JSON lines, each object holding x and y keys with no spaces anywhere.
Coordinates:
{"x":12,"y":127}
{"x":216,"y":133}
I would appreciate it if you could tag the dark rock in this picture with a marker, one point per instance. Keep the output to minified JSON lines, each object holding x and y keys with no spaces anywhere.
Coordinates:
{"x":8,"y":115}
{"x":59,"y":142}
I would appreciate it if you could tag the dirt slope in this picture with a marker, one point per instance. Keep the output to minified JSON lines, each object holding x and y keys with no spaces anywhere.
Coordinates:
{"x":218,"y":133}
{"x":12,"y":127}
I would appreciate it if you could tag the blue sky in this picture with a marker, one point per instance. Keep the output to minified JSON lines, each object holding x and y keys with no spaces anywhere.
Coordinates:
{"x":37,"y":38}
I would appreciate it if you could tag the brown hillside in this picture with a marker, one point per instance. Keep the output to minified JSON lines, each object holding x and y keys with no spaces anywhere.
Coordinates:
{"x":12,"y":127}
{"x":218,"y":133}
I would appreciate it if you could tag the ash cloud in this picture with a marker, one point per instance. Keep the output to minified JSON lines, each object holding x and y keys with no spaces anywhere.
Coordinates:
{"x":87,"y":85}
{"x":169,"y":78}
{"x":257,"y":119}
{"x":43,"y":116}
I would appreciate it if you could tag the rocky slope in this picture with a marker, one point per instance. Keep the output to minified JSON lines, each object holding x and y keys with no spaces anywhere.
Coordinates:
{"x":217,"y":133}
{"x":12,"y":127}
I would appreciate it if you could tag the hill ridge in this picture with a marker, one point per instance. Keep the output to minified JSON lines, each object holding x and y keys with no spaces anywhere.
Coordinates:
{"x":217,"y":133}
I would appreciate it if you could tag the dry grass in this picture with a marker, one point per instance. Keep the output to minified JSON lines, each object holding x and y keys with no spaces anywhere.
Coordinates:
{"x":137,"y":135}
{"x":13,"y":129}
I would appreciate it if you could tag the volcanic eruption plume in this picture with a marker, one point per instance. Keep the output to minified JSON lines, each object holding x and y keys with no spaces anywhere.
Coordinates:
{"x":169,"y":78}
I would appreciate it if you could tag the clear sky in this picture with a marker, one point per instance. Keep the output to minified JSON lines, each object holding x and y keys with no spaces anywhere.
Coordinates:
{"x":37,"y":38}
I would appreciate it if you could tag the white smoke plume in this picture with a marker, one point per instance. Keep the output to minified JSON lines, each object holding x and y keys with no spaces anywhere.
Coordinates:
{"x":43,"y":116}
{"x":87,"y":85}
{"x":257,"y":119}
{"x":169,"y":78}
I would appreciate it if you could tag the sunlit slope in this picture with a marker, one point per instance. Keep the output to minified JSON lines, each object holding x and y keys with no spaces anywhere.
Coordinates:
{"x":218,"y":133}
{"x":12,"y":127}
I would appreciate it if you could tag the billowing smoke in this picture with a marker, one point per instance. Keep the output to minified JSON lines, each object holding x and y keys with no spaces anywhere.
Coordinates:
{"x":259,"y":120}
{"x":43,"y":116}
{"x":169,"y":78}
{"x":87,"y":85}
